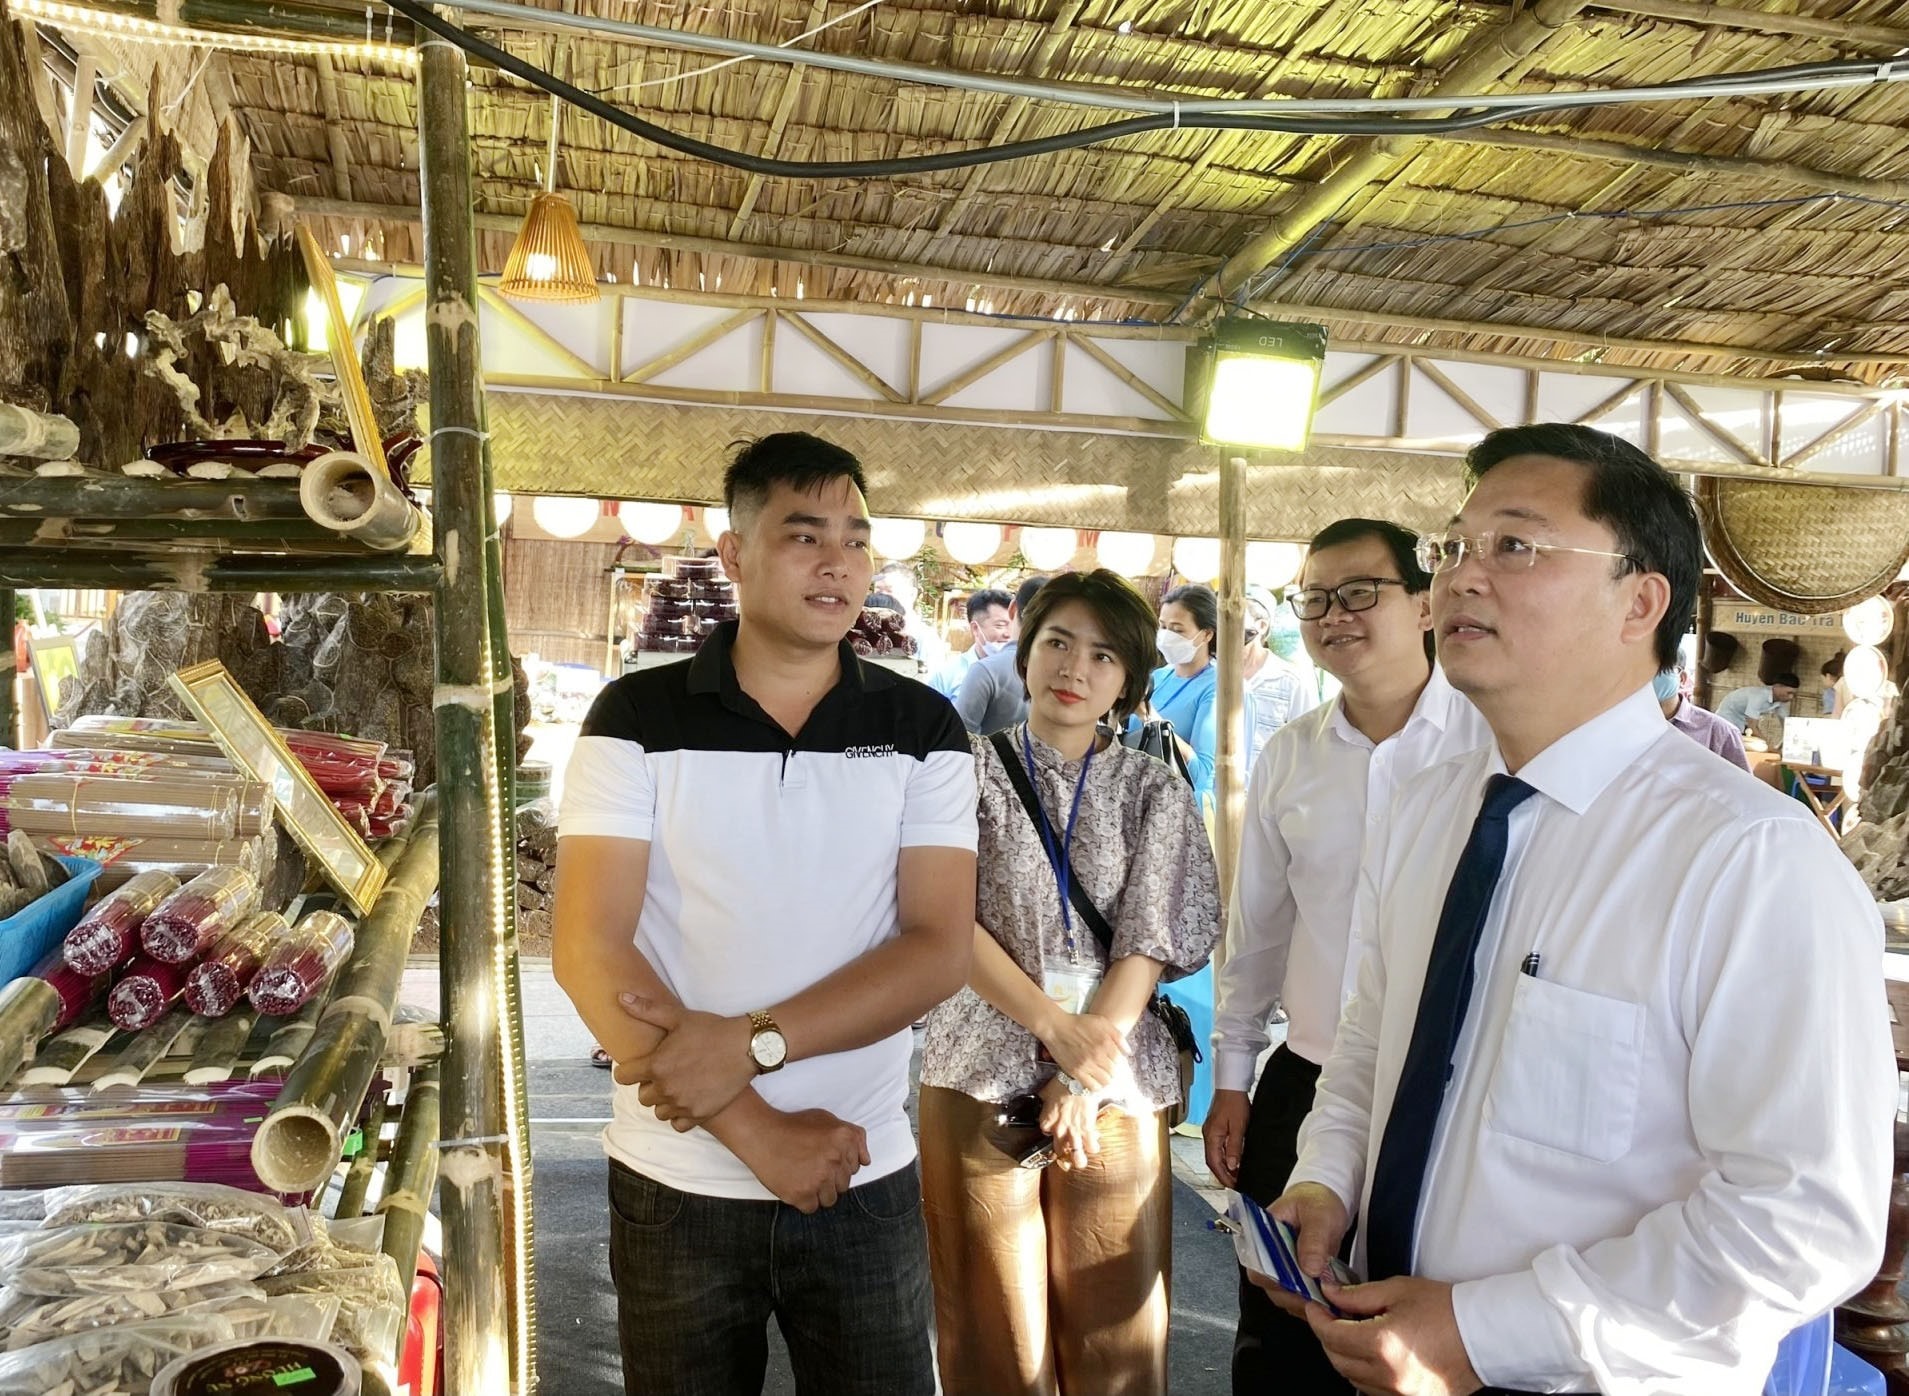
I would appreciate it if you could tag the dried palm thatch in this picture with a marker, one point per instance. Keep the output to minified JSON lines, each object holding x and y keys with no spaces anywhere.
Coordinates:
{"x":1764,"y":224}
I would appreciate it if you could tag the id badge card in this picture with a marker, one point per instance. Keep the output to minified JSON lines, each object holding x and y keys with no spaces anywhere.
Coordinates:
{"x":1070,"y":986}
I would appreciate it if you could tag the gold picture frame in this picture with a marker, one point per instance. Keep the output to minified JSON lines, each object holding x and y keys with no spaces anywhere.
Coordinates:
{"x":252,"y":744}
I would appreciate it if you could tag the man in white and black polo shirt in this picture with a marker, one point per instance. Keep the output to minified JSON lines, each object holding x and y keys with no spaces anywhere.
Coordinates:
{"x":765,"y":875}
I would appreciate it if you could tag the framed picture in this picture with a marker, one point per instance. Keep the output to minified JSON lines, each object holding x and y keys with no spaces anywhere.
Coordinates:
{"x":253,"y":745}
{"x":54,"y":658}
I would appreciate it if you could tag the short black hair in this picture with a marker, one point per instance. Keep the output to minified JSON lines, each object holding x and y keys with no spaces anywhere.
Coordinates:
{"x":1198,"y":600}
{"x":1399,"y":540}
{"x":1645,"y":506}
{"x":1785,"y":681}
{"x":1025,"y":593}
{"x":1127,"y":617}
{"x":985,"y":600}
{"x":794,"y":458}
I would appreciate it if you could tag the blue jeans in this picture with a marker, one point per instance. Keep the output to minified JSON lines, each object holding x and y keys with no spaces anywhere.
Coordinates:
{"x":697,"y":1279}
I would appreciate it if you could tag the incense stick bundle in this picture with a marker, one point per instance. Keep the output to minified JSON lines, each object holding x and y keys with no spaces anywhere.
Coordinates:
{"x":105,"y":937}
{"x":118,"y":806}
{"x":218,"y":982}
{"x":301,"y":964}
{"x":144,"y":992}
{"x":185,"y":925}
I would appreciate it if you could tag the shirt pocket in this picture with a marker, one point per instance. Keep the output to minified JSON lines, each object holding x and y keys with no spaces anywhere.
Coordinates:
{"x":1569,"y":1068}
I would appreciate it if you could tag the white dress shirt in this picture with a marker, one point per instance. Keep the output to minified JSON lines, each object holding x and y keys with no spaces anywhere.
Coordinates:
{"x":1316,"y":789}
{"x":1669,"y":1146}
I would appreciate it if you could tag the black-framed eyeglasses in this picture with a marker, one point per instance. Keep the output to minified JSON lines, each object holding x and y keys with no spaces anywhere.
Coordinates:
{"x":1355,"y":594}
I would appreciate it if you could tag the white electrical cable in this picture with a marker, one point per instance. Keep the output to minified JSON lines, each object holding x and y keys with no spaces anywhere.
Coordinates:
{"x":530,"y":17}
{"x":744,"y":58}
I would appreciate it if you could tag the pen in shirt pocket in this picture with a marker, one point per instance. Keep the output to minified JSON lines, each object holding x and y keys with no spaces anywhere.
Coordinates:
{"x":1530,"y":966}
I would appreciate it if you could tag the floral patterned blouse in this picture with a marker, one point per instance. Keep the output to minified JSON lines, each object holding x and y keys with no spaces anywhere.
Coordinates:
{"x":1141,"y":853}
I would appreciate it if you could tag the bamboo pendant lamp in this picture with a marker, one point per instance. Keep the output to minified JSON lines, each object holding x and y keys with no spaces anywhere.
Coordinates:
{"x":549,"y":262}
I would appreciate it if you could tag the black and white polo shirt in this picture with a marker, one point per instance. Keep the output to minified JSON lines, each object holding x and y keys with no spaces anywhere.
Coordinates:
{"x":772,"y":865}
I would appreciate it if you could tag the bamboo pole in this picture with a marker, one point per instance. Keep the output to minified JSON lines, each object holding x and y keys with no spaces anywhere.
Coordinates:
{"x":480,"y":1344}
{"x":129,"y":497}
{"x":1229,"y":784}
{"x":517,"y":1162}
{"x":9,"y":674}
{"x":351,"y":1194}
{"x":179,"y":571}
{"x":298,"y":1143}
{"x":411,"y":1176}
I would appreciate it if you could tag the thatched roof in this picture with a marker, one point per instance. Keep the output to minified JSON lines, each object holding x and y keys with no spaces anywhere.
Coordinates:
{"x":1130,"y":229}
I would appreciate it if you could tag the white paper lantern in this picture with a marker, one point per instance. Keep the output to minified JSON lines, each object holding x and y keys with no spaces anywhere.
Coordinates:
{"x":1197,"y":559}
{"x":563,"y":516}
{"x":715,"y":521}
{"x":650,"y":523}
{"x":1129,"y":554}
{"x":1274,"y":565}
{"x":1870,"y":622}
{"x":500,"y":503}
{"x":1865,"y":671}
{"x":897,"y":538}
{"x":1049,"y":548}
{"x":972,"y":543}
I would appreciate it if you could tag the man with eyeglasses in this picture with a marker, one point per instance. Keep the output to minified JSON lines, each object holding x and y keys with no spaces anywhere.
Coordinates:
{"x":1322,"y":782}
{"x":1612,"y":1101}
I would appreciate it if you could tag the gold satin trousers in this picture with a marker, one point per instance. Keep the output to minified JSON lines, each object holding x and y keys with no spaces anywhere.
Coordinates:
{"x":1047,"y":1282}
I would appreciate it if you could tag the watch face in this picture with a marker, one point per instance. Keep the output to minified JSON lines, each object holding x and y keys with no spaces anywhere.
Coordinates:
{"x":769,"y":1049}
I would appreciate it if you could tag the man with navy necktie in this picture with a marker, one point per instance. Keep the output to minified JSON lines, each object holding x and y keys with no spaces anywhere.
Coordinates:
{"x":1612,"y":1101}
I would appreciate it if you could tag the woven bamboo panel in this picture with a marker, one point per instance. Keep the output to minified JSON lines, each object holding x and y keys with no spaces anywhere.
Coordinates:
{"x":628,"y":448}
{"x":1804,"y":548}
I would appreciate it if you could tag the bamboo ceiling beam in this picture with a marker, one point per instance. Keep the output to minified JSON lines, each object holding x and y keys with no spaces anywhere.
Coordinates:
{"x":1323,"y":25}
{"x":1629,"y":344}
{"x":1380,"y":364}
{"x":1687,"y":161}
{"x":856,"y":369}
{"x":1729,"y":440}
{"x":1759,"y":21}
{"x":1443,"y":382}
{"x":988,"y":365}
{"x":691,"y":347}
{"x":1357,"y":163}
{"x":611,"y":235}
{"x":1013,"y":117}
{"x":785,"y":108}
{"x":334,"y":128}
{"x":1132,"y":380}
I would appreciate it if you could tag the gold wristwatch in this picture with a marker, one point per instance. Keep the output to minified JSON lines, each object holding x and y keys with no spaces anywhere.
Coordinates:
{"x":768,"y":1048}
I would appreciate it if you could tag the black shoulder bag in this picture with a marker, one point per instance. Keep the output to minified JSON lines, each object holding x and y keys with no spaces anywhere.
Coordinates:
{"x":1179,"y":1027}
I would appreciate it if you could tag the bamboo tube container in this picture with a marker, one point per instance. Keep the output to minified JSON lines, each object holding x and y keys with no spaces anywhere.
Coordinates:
{"x":298,"y":1143}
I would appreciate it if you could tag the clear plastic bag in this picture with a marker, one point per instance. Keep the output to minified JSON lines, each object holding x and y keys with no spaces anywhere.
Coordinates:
{"x":119,"y":1361}
{"x":122,"y":1257}
{"x":372,"y":1304}
{"x":210,"y":1206}
{"x":26,"y":1319}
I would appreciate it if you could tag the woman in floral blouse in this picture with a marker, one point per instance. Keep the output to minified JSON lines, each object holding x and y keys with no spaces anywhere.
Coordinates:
{"x":1053,"y":1279}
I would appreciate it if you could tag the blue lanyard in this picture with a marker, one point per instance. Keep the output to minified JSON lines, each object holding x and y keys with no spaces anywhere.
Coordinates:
{"x":1061,"y":859}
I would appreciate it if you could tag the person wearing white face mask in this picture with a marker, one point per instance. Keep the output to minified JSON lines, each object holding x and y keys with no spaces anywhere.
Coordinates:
{"x":1185,"y":690}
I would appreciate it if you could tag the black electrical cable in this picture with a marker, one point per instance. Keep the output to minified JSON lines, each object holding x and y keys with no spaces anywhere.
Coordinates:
{"x":1464,"y":120}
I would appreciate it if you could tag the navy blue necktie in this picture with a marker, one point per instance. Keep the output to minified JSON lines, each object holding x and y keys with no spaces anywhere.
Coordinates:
{"x":1398,"y":1177}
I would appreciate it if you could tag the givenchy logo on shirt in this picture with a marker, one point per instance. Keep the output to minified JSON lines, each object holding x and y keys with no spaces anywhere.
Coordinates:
{"x":866,"y":753}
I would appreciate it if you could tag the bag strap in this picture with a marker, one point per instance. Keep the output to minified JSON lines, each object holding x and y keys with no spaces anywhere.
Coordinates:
{"x":1083,"y":905}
